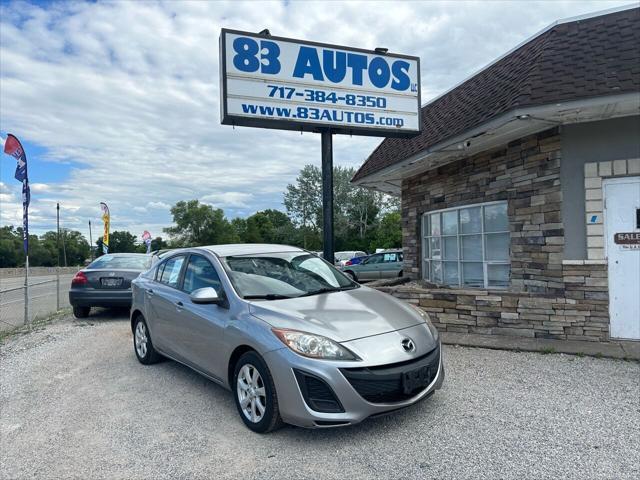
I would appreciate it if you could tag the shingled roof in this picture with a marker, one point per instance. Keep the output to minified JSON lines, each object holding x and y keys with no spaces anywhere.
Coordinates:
{"x":578,"y":59}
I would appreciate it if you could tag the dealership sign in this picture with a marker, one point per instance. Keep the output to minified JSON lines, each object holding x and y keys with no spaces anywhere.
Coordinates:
{"x":627,"y":240}
{"x":274,"y":82}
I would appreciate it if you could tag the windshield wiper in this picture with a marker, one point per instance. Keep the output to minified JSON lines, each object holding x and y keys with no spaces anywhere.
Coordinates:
{"x":268,"y":296}
{"x":327,"y":290}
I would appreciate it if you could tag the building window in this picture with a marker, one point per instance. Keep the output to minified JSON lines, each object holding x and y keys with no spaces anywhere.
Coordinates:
{"x":467,"y":246}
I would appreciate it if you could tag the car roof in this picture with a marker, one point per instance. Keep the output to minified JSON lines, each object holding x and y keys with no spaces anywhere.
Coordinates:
{"x":249,"y":249}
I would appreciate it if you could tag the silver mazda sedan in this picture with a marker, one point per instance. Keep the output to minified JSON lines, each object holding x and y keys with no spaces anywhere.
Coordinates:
{"x":294,"y":339}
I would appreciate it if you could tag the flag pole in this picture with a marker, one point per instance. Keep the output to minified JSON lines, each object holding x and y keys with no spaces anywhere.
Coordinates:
{"x":26,"y":289}
{"x":58,"y":249}
{"x":13,"y":147}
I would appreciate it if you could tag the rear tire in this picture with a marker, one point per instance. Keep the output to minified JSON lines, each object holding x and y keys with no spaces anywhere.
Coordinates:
{"x":81,"y":312}
{"x":351,"y":275}
{"x":142,"y":345}
{"x":255,"y":394}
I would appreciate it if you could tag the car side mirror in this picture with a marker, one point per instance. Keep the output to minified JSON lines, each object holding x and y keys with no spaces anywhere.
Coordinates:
{"x":205,"y":295}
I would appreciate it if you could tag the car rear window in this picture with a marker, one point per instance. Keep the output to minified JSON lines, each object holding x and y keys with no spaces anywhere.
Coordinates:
{"x":128,"y":262}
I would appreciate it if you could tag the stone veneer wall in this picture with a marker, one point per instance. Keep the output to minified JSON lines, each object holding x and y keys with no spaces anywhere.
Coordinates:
{"x":548,"y":297}
{"x":594,"y":174}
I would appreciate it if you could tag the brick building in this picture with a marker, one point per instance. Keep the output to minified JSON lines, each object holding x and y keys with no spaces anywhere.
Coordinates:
{"x":515,"y":191}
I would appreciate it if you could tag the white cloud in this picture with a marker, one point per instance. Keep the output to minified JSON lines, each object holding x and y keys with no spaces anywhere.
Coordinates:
{"x":128,"y":91}
{"x":228,"y":199}
{"x":160,"y":205}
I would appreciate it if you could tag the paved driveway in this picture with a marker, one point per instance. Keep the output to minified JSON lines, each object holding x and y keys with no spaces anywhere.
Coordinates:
{"x":76,"y":403}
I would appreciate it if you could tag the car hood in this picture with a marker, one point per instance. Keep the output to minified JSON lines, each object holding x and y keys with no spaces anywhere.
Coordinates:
{"x":341,"y":316}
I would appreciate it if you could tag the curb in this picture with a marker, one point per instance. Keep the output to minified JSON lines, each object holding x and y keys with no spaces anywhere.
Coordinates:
{"x":626,"y":350}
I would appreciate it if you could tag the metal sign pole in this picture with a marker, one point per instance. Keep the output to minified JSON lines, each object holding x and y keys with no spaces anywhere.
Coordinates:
{"x":327,"y":195}
{"x":58,"y":265}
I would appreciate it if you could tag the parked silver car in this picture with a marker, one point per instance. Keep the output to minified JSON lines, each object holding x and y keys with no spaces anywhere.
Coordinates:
{"x":386,"y":264}
{"x":294,"y":339}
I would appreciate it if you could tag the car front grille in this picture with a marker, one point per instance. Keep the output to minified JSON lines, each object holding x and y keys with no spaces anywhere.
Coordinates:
{"x":383,"y":384}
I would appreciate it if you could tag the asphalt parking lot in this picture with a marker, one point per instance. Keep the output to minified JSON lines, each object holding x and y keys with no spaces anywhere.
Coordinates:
{"x":75,"y":403}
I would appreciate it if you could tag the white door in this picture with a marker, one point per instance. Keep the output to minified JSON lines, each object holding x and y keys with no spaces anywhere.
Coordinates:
{"x":621,"y":215}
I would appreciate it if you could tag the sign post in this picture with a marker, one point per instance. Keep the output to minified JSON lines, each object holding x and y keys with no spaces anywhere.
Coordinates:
{"x":288,"y":84}
{"x":327,"y":195}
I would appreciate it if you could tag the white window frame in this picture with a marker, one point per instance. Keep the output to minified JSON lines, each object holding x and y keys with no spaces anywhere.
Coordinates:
{"x":426,"y":247}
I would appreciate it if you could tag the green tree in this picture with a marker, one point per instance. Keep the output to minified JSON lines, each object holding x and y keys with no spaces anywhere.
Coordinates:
{"x":157,"y":244}
{"x":239,"y":228}
{"x":43,"y":250}
{"x":356,"y":209}
{"x":303,"y":201}
{"x":199,"y":224}
{"x":98,"y":252}
{"x":269,"y":226}
{"x":10,"y":247}
{"x":122,"y":242}
{"x":41,"y":254}
{"x":389,"y":231}
{"x":72,"y":244}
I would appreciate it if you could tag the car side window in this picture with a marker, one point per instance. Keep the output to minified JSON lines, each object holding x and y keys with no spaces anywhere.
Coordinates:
{"x":170,"y":274}
{"x":390,"y":257}
{"x":200,"y":273}
{"x":374,"y":259}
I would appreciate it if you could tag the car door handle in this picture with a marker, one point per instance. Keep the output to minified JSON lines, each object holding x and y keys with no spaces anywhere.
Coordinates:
{"x":150,"y":292}
{"x":179,"y":304}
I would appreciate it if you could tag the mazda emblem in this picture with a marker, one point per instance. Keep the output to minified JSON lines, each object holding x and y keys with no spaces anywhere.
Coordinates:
{"x":408,"y":345}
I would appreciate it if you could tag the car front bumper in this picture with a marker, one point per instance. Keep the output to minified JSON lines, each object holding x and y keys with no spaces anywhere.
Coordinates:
{"x":89,"y":297}
{"x":294,"y":409}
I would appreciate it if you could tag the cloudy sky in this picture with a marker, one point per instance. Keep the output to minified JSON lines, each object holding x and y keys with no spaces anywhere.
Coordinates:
{"x":119,"y":101}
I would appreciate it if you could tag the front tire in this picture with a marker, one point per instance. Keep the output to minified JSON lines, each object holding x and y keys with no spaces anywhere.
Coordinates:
{"x":352,"y":275}
{"x":142,"y":346}
{"x":255,"y":394}
{"x":81,"y":312}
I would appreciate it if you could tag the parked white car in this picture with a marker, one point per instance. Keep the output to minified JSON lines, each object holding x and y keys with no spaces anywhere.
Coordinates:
{"x":341,"y":258}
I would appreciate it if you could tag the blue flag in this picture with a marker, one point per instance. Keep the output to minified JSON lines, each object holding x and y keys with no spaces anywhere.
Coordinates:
{"x":14,"y":148}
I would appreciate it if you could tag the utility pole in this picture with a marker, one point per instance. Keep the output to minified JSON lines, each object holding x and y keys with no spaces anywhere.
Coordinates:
{"x":90,"y":241}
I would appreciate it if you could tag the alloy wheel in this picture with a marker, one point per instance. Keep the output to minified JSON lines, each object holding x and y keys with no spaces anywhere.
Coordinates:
{"x":141,"y":339}
{"x":251,"y":393}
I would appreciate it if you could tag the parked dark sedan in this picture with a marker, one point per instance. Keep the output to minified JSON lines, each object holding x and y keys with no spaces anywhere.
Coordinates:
{"x":106,"y":282}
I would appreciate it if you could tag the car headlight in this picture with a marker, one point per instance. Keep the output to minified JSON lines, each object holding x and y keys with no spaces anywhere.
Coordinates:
{"x":313,"y":346}
{"x":427,"y":321}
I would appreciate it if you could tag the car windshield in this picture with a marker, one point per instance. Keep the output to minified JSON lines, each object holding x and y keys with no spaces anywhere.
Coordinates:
{"x":344,"y":255}
{"x":272,"y":276}
{"x":126,"y":262}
